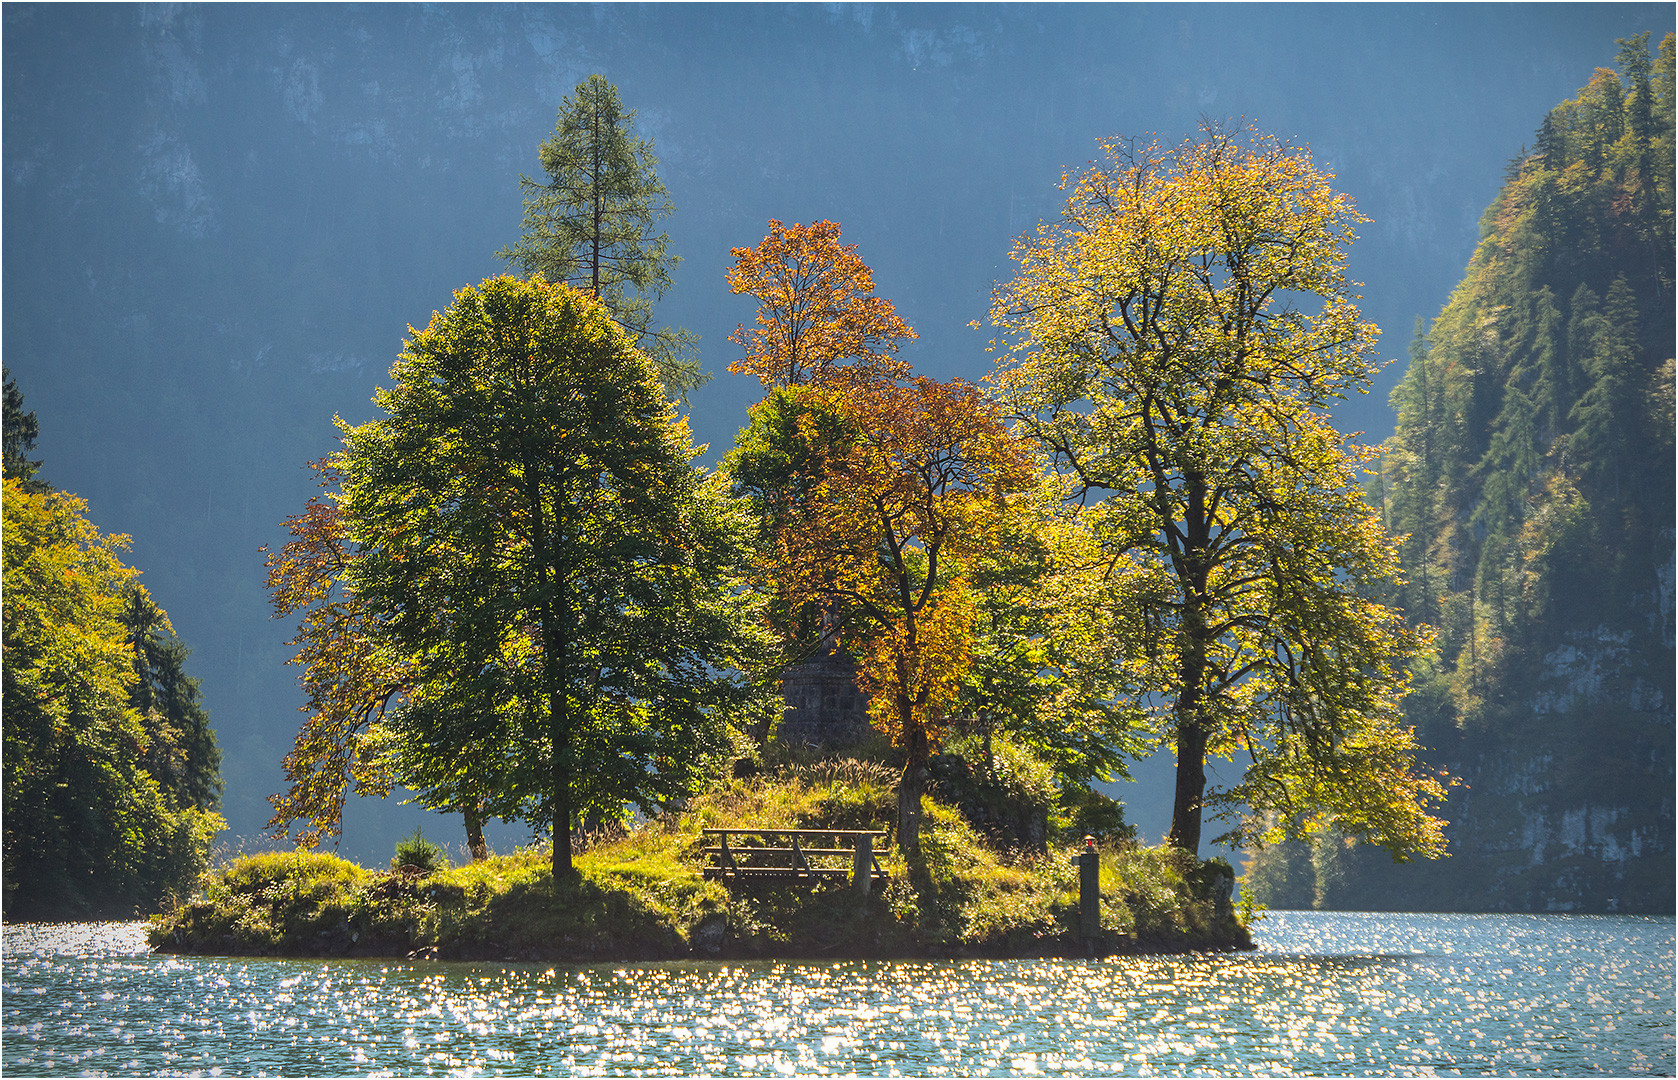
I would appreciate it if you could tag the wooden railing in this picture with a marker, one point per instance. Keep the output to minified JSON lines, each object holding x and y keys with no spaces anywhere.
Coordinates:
{"x":779,"y":856}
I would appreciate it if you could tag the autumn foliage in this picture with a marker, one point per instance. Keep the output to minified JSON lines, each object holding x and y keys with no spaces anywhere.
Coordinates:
{"x":348,"y":680}
{"x":1158,"y":347}
{"x":818,"y":316}
{"x":889,"y":529}
{"x":894,"y":494}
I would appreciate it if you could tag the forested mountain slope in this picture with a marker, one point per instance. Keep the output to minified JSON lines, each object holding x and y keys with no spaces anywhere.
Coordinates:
{"x":1532,"y":472}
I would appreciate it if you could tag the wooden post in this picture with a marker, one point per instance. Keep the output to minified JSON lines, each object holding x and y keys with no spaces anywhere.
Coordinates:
{"x":1089,"y":893}
{"x":862,"y":868}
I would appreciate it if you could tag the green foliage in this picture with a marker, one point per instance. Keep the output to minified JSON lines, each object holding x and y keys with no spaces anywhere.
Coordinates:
{"x":181,"y":750}
{"x":843,"y":793}
{"x":1051,"y":642}
{"x":21,"y":431}
{"x":778,"y":460}
{"x":1532,"y":409}
{"x":418,"y":852}
{"x":317,"y":874}
{"x":89,"y":830}
{"x":1531,"y":475}
{"x":534,"y":542}
{"x":1174,"y":342}
{"x":641,"y":894}
{"x":1085,"y":812}
{"x":1006,"y":767}
{"x":1282,"y":876}
{"x":1174,"y":897}
{"x":1001,"y":787}
{"x":591,"y":224}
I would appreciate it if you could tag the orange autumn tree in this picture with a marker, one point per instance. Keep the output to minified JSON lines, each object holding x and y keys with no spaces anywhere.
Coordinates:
{"x":888,"y":533}
{"x":348,"y":679}
{"x":817,"y":316}
{"x":818,"y":324}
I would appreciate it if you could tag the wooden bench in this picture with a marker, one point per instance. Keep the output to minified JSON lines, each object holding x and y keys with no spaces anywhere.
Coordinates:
{"x":780,"y":856}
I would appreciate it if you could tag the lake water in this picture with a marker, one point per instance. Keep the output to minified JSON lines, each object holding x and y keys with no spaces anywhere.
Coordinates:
{"x":1326,"y":993}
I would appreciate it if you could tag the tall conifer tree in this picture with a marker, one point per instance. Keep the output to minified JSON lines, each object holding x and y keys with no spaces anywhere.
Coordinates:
{"x":592,"y":224}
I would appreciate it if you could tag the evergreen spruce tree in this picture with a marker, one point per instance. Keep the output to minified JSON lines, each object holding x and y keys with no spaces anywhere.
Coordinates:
{"x":591,"y":224}
{"x":181,"y":751}
{"x":21,"y":431}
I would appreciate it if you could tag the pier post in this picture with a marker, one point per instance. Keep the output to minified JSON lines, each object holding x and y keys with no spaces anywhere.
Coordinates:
{"x":1089,"y":893}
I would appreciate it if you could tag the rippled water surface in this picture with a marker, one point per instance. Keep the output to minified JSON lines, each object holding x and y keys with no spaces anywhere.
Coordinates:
{"x":1325,"y":993}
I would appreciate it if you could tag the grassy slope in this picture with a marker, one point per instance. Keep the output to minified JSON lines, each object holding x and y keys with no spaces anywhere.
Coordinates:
{"x":642,"y":895}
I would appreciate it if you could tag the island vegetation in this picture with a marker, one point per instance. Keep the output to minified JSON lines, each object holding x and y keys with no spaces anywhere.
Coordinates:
{"x":520,"y":599}
{"x":639,"y":893}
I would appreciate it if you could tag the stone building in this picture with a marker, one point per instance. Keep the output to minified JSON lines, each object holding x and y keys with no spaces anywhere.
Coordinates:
{"x":823,"y":707}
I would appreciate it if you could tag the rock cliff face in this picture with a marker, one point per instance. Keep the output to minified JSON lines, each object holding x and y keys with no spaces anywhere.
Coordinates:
{"x":1571,"y":809}
{"x":1574,"y":811}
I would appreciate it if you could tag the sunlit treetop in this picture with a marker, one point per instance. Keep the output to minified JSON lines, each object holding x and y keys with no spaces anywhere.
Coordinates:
{"x":818,"y":318}
{"x":1217,"y":267}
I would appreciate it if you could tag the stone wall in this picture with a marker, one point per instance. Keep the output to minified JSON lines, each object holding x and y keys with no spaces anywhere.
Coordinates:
{"x":823,"y":707}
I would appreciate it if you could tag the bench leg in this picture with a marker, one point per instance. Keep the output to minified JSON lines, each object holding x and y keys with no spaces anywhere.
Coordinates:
{"x":862,"y":868}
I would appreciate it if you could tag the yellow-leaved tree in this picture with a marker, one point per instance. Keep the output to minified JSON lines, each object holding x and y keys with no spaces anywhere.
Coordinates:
{"x":1175,"y":341}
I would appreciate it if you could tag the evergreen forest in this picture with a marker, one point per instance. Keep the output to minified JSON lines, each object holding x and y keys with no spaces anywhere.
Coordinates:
{"x":1531,"y":477}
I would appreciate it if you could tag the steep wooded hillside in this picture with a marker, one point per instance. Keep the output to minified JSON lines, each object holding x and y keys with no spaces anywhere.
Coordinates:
{"x":1532,"y":472}
{"x":111,"y":771}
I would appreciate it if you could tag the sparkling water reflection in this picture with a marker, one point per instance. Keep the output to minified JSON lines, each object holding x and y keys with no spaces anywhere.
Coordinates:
{"x":1326,"y":993}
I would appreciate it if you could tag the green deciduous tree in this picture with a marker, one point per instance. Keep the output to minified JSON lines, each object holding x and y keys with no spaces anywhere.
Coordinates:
{"x":88,"y":829}
{"x":1174,"y":342}
{"x":532,"y":537}
{"x":591,"y":224}
{"x":1051,"y":640}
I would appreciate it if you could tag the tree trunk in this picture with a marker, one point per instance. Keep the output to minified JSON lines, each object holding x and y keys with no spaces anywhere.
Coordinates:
{"x":1191,"y":786}
{"x":475,"y":830}
{"x":1192,"y":738}
{"x":1192,"y":735}
{"x":910,"y":788}
{"x":562,"y":867}
{"x":555,"y":612}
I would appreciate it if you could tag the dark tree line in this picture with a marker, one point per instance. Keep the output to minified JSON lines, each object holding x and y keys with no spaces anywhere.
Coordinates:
{"x":112,"y":772}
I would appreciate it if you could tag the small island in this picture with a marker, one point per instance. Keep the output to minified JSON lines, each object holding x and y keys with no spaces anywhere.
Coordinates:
{"x":641,"y":894}
{"x":520,"y":597}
